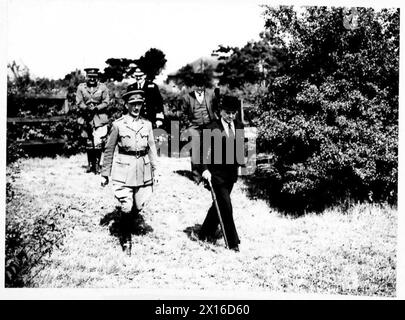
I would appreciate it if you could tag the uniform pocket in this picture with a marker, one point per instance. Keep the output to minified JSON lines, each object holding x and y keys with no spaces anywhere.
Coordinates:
{"x":119,"y":171}
{"x":126,"y":138}
{"x":142,"y":138}
{"x":147,"y":171}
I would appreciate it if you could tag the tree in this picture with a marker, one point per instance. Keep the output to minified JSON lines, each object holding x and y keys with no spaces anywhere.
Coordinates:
{"x":330,"y":119}
{"x":185,"y":76}
{"x":152,"y":62}
{"x":254,"y":63}
{"x":18,"y":78}
{"x":117,"y":69}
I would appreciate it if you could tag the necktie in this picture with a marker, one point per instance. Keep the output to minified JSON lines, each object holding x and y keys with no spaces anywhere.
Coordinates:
{"x":231,"y":135}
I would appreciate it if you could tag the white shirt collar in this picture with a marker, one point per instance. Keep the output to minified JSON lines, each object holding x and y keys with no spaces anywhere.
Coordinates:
{"x":226,"y":126}
{"x":199,"y":96}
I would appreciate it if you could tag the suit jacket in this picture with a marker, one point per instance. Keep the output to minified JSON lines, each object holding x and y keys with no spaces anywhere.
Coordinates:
{"x":224,"y":172}
{"x":189,"y":106}
{"x":130,"y":135}
{"x":153,"y":109}
{"x":99,"y":97}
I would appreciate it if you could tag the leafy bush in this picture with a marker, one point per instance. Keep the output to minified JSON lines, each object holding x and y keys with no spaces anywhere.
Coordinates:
{"x":30,"y":236}
{"x":330,"y":118}
{"x":14,"y":151}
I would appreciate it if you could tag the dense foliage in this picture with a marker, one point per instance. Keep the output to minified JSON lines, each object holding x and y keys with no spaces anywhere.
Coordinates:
{"x":330,"y":116}
{"x":185,"y":76}
{"x":31,"y":236}
{"x":152,"y":63}
{"x":254,"y":63}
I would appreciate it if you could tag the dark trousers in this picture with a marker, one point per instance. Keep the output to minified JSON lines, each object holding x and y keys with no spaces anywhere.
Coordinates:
{"x":211,"y":222}
{"x":196,"y":152}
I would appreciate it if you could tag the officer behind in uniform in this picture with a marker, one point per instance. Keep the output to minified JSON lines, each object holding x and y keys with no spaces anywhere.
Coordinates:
{"x":153,"y":109}
{"x":132,"y":168}
{"x":92,"y":98}
{"x":224,"y":173}
{"x":198,"y":111}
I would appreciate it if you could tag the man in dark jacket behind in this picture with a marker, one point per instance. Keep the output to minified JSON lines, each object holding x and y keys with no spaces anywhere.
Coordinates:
{"x":198,"y":111}
{"x":153,"y":109}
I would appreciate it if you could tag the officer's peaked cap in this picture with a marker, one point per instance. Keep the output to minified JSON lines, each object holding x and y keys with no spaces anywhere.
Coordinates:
{"x":132,"y":96}
{"x":92,"y":71}
{"x":138,"y":72}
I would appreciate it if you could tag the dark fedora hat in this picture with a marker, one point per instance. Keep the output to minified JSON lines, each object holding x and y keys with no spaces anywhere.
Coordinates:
{"x":200,"y":79}
{"x":229,"y":103}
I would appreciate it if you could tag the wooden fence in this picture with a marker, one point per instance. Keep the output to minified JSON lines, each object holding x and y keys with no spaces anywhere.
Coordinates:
{"x":31,"y":104}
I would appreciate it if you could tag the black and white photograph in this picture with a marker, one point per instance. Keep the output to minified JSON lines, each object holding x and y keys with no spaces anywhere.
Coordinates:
{"x":200,"y":150}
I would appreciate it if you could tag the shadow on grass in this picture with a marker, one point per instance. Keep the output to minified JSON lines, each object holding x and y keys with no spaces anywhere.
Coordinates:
{"x":123,"y":225}
{"x":193,"y":234}
{"x":196,"y":178}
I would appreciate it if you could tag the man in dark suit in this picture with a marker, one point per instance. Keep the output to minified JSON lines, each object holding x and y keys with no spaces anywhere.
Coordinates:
{"x":220,"y":166}
{"x":153,"y":110}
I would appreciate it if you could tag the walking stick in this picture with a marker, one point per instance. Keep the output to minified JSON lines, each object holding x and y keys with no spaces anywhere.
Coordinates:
{"x":214,"y":198}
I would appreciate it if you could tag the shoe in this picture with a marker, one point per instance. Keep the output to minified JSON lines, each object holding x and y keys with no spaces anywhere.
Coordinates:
{"x":235,"y":248}
{"x":88,"y":169}
{"x":211,"y":239}
{"x":218,"y":234}
{"x":194,"y":236}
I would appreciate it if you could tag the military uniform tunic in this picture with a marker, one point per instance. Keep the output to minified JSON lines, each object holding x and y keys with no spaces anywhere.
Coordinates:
{"x":131,"y":166}
{"x":99,"y":97}
{"x":153,"y":109}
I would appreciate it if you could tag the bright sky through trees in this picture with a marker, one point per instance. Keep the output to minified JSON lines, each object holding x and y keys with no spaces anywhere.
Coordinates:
{"x":55,"y":37}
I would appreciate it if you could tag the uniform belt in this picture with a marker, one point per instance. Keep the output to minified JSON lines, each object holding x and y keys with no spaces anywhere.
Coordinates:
{"x":140,"y":153}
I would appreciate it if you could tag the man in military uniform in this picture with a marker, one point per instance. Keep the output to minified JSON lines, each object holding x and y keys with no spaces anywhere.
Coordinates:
{"x":198,"y":111}
{"x":92,"y":98}
{"x":132,"y":168}
{"x":153,"y":109}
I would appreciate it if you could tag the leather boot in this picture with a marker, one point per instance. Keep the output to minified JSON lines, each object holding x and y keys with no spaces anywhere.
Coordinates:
{"x":89,"y":160}
{"x":97,"y":159}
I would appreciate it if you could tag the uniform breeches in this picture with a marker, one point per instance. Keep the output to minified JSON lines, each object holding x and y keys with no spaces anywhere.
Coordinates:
{"x":132,"y":199}
{"x":211,"y":222}
{"x":98,"y":136}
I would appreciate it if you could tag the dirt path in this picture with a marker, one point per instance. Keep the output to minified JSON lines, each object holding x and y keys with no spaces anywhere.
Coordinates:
{"x":316,"y":254}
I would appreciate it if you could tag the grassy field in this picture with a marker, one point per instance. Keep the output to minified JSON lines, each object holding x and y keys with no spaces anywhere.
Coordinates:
{"x":352,"y":253}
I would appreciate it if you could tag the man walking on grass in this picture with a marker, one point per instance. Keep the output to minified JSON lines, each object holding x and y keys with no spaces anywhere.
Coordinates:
{"x":132,"y":169}
{"x":92,"y":98}
{"x":220,"y":167}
